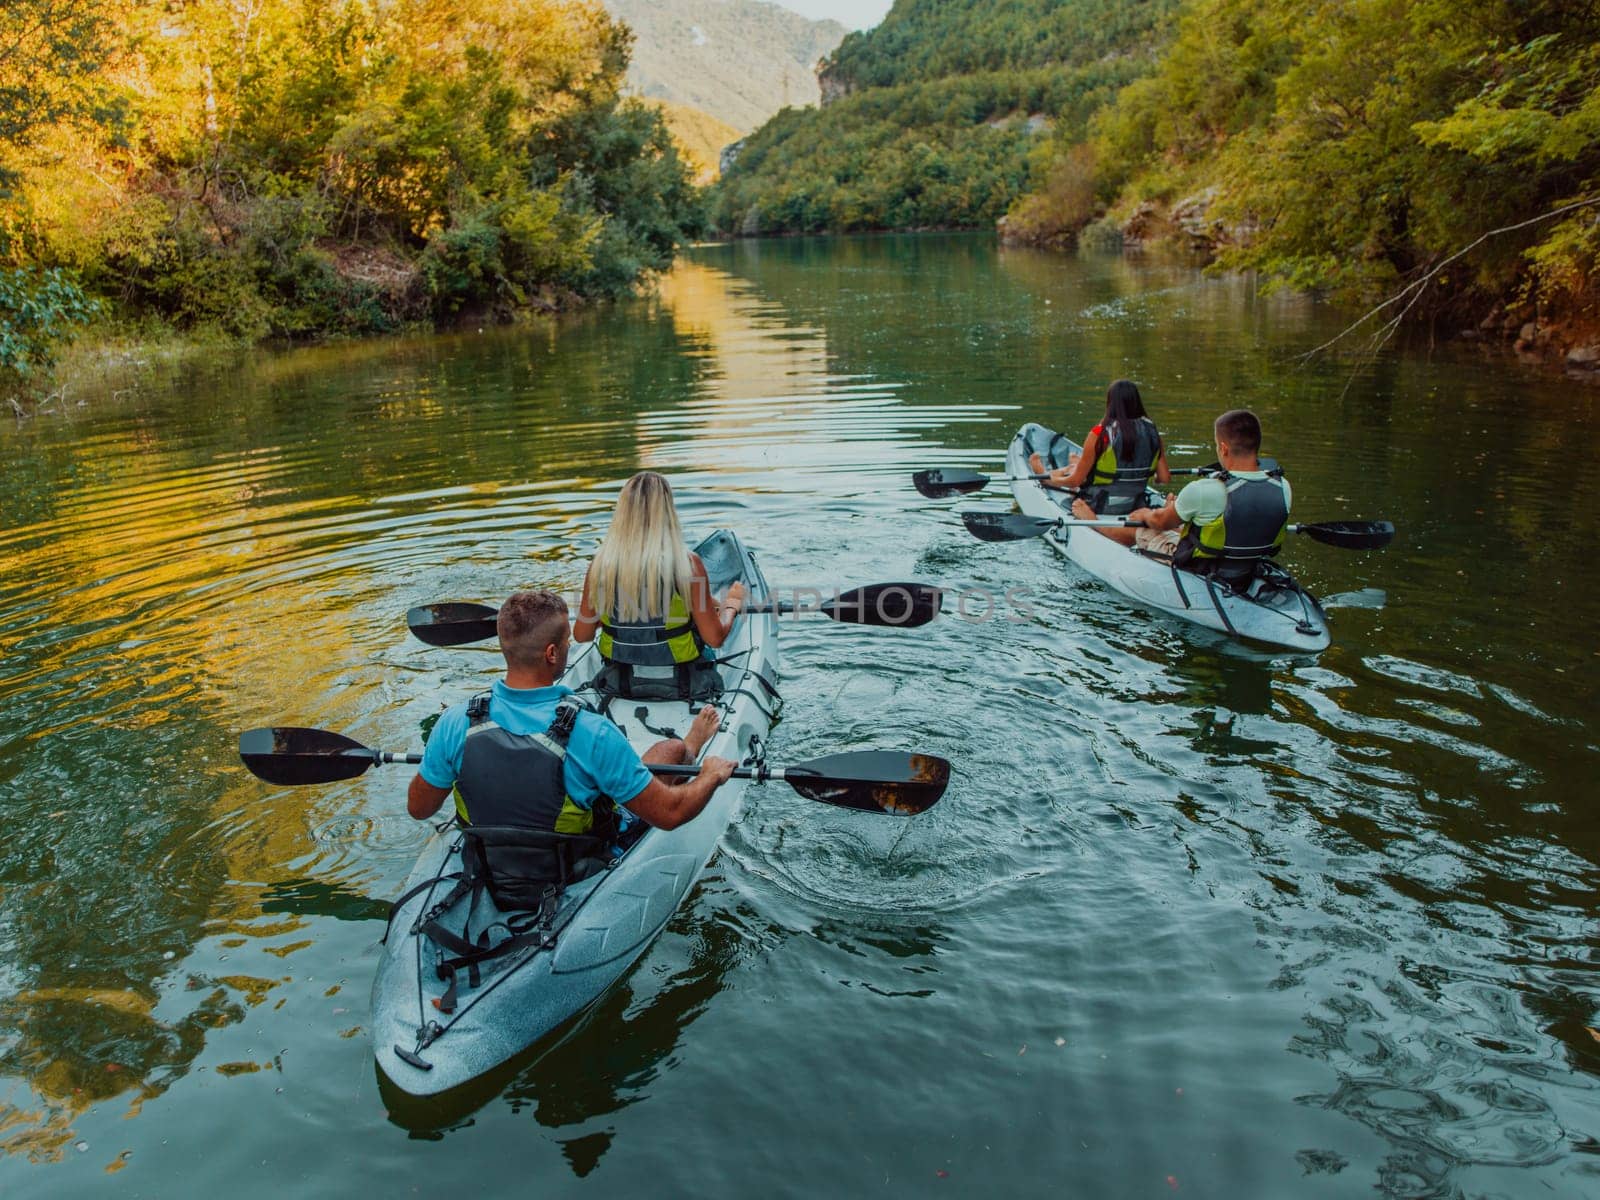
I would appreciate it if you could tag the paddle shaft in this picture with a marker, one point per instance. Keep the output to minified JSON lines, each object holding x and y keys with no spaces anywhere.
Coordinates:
{"x":684,"y":770}
{"x":689,"y":771}
{"x":889,"y":782}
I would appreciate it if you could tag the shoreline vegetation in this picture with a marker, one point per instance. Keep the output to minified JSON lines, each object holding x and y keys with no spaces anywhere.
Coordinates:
{"x":294,"y":170}
{"x":1351,"y":151}
{"x":175,"y":180}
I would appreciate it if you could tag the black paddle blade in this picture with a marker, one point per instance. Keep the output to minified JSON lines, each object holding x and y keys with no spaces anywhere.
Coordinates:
{"x":1005,"y":527}
{"x":287,"y":754}
{"x":941,"y":484}
{"x":452,"y":624}
{"x":891,"y":605}
{"x":876,"y":781}
{"x":1351,"y":535}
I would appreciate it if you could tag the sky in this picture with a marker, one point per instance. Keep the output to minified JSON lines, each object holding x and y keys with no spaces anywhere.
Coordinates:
{"x":857,"y":14}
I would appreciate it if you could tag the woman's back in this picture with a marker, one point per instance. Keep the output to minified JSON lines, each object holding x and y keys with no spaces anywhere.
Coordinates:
{"x":647,"y":597}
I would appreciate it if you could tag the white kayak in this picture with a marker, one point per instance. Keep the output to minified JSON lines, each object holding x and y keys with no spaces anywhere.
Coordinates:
{"x":1273,"y":608}
{"x":427,"y":1043}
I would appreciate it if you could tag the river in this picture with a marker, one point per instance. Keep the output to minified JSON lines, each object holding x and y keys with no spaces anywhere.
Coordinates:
{"x":1193,"y":918}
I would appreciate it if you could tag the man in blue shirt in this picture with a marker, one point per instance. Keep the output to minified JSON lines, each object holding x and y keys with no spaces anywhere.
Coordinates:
{"x":534,"y":639}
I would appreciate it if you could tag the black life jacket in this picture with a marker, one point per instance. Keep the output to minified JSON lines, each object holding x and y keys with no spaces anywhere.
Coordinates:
{"x":1120,"y":474}
{"x":511,"y":798}
{"x":1252,"y":527}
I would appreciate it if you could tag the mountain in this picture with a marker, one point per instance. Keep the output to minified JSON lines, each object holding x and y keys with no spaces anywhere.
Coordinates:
{"x":738,"y":60}
{"x":699,"y":135}
{"x":937,"y":117}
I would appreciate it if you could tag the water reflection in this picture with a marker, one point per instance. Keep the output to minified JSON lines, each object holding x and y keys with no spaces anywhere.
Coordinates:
{"x":1351,"y":895}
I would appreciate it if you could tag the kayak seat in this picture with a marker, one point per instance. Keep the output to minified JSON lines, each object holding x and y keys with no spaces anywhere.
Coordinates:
{"x":696,"y":681}
{"x":1234,"y":574}
{"x":524,"y":871}
{"x":518,"y":866}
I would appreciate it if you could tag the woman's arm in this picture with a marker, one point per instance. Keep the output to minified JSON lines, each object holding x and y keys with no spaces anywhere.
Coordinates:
{"x":583,"y":629}
{"x":1163,"y":472}
{"x":713,"y":620}
{"x":1076,"y":472}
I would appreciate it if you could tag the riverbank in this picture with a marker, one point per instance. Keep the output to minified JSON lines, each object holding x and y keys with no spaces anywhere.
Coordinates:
{"x":1506,"y":324}
{"x":1439,"y":167}
{"x":411,"y":179}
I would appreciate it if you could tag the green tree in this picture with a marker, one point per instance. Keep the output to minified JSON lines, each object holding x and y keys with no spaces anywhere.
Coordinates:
{"x":50,"y":53}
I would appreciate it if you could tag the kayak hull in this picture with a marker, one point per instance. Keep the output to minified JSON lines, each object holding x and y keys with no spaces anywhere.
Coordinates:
{"x":1282,"y":616}
{"x":603,"y":924}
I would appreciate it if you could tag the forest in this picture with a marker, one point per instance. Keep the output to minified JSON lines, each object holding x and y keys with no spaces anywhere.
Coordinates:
{"x":293,"y":168}
{"x":941,"y":154}
{"x":934,"y":118}
{"x":933,"y":39}
{"x":1356,"y":149}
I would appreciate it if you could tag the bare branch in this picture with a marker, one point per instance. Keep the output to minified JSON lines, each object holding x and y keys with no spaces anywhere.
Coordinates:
{"x":1416,"y":287}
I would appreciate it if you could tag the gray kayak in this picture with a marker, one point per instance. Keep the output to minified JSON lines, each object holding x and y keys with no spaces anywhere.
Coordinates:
{"x":427,"y":1043}
{"x":1273,"y":608}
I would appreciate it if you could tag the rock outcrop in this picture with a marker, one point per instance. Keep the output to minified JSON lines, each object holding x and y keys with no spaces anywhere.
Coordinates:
{"x":739,"y":60}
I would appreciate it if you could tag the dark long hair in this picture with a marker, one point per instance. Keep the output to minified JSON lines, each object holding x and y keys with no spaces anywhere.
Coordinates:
{"x":1123,"y":406}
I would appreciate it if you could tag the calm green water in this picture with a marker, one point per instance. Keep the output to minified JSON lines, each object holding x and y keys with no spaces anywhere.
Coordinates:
{"x":1192,"y":916}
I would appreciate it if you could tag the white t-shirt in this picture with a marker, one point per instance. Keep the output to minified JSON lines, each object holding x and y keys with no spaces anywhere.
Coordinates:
{"x":1201,"y":502}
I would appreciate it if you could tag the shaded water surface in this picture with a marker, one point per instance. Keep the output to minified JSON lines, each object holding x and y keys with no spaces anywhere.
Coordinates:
{"x":1192,"y":916}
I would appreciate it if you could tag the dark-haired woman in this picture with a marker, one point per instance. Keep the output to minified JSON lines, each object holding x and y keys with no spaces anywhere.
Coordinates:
{"x":1121,"y":454}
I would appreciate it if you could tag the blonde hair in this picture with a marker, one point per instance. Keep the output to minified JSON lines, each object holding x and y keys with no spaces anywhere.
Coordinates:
{"x":643,"y":560}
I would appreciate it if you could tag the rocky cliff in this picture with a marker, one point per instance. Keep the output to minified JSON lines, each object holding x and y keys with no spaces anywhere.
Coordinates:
{"x":738,"y":60}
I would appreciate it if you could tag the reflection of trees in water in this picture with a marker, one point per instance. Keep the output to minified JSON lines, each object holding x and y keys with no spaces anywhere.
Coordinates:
{"x":78,"y":1047}
{"x":382,"y":416}
{"x":170,"y":552}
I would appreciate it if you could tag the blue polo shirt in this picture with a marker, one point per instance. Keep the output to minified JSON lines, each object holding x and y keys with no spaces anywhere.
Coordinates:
{"x":600,"y":761}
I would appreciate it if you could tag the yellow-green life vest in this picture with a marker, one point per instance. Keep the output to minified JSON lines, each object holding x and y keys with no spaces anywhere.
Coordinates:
{"x":1252,"y":526}
{"x":1121,"y":473}
{"x":659,"y":643}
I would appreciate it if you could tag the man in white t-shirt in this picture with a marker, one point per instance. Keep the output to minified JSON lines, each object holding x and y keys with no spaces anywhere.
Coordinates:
{"x":1202,"y":503}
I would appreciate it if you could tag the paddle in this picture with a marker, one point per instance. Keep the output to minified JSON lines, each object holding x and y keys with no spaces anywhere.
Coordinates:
{"x":876,"y":781}
{"x":952,"y":481}
{"x":944,"y":482}
{"x":1349,"y":535}
{"x":1014,"y":527}
{"x":947,"y":482}
{"x":886,"y":605}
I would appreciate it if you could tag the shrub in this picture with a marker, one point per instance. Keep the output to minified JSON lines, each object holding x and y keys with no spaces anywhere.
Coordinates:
{"x":38,"y":308}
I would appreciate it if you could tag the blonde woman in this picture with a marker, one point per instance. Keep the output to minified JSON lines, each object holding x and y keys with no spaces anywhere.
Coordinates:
{"x":648,"y":599}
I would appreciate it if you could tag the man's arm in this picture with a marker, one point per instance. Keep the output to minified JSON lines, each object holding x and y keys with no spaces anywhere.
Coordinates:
{"x":1158,"y":519}
{"x":667,"y":807}
{"x":423,"y":799}
{"x":441,"y":760}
